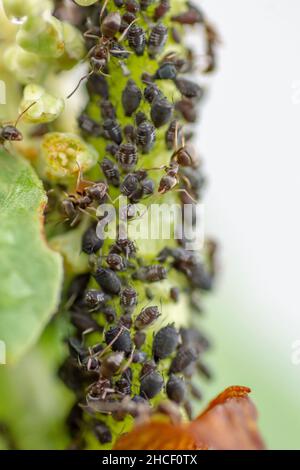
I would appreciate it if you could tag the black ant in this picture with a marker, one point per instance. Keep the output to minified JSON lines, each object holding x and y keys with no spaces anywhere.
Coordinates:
{"x":99,"y":55}
{"x":9,"y":132}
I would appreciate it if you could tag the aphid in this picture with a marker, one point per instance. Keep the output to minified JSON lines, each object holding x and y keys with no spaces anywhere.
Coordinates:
{"x":176,"y":36}
{"x":212,"y":39}
{"x":146,"y":317}
{"x":122,"y":343}
{"x":125,"y":246}
{"x":132,"y":6}
{"x":184,"y":357}
{"x":123,"y":386}
{"x":108,"y":280}
{"x":91,"y":243}
{"x":166,"y":71}
{"x":89,"y":126}
{"x":112,"y":149}
{"x":148,"y":367}
{"x":151,"y":384}
{"x":84,"y":322}
{"x":119,"y":3}
{"x":195,"y":392}
{"x":108,"y":110}
{"x":97,"y":192}
{"x":171,"y":134}
{"x":190,"y":17}
{"x":77,"y":350}
{"x":111,"y":364}
{"x":145,"y":136}
{"x":152,"y":273}
{"x":127,"y":20}
{"x":111,"y":172}
{"x":128,"y":299}
{"x":97,"y":85}
{"x":204,"y":370}
{"x":176,"y":389}
{"x":193,"y":337}
{"x":74,"y":420}
{"x":127,"y":157}
{"x":151,"y":91}
{"x":126,"y":321}
{"x":161,"y":111}
{"x":119,"y":51}
{"x":144,"y":4}
{"x":113,"y":130}
{"x":139,"y":339}
{"x":102,"y":432}
{"x":157,"y":39}
{"x":188,"y":88}
{"x":162,"y":8}
{"x":165,"y":342}
{"x":131,"y":97}
{"x":129,"y":133}
{"x":137,"y":39}
{"x":200,"y":278}
{"x":187,"y":109}
{"x":94,"y":298}
{"x":115,"y":262}
{"x":148,"y":187}
{"x":77,"y":288}
{"x":174,"y":293}
{"x":139,"y":357}
{"x":109,"y":314}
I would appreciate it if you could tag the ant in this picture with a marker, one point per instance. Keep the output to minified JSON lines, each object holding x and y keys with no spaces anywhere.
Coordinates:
{"x":106,"y":46}
{"x":9,"y":132}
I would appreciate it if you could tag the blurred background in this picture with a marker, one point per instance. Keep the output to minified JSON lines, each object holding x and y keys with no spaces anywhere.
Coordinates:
{"x":249,"y":137}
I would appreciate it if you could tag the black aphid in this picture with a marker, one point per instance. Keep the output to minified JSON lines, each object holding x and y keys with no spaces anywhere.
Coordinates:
{"x":139,"y":357}
{"x":161,"y":111}
{"x":145,"y":136}
{"x":131,"y":97}
{"x":119,"y":3}
{"x":139,"y":339}
{"x":151,"y":384}
{"x":174,"y":293}
{"x":187,"y":109}
{"x":129,"y":133}
{"x":111,"y":172}
{"x":108,"y":111}
{"x":146,"y":317}
{"x":170,"y":135}
{"x":84,"y":322}
{"x":188,"y":89}
{"x":94,"y":299}
{"x":185,"y":356}
{"x":129,"y":185}
{"x":123,"y":386}
{"x":148,"y":187}
{"x":148,"y":367}
{"x":167,"y":71}
{"x":116,"y":262}
{"x":152,"y":273}
{"x":165,"y":342}
{"x":119,"y":339}
{"x":91,"y":243}
{"x":112,"y":148}
{"x":137,"y":39}
{"x":157,"y":39}
{"x":144,"y":4}
{"x":127,"y":157}
{"x":98,"y":85}
{"x":128,"y":299}
{"x":192,"y":16}
{"x":162,"y":8}
{"x":109,"y":313}
{"x":132,"y":6}
{"x":88,"y":125}
{"x":102,"y":432}
{"x":176,"y":389}
{"x":113,"y":130}
{"x":151,"y":91}
{"x":108,"y":280}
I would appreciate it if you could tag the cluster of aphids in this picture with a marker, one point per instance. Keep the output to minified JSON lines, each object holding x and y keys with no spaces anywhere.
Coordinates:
{"x":122,"y":373}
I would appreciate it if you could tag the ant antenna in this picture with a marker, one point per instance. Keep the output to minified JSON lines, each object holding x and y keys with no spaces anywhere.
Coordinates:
{"x":79,"y":83}
{"x":23,"y":112}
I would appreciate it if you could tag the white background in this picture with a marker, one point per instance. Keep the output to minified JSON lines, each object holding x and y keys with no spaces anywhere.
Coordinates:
{"x":250,"y":138}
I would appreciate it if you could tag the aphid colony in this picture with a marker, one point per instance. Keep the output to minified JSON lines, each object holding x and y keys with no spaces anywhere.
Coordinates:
{"x":139,"y":355}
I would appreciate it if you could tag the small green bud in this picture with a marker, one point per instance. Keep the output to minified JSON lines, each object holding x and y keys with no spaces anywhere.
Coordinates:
{"x":46,"y":109}
{"x":85,"y":3}
{"x":74,"y":46}
{"x":64,"y":153}
{"x":42,"y":36}
{"x":17,"y":11}
{"x":25,"y":66}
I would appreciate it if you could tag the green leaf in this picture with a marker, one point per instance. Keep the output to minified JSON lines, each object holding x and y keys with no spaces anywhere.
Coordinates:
{"x":30,"y":273}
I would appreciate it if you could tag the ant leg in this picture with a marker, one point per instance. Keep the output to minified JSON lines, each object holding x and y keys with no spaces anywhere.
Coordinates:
{"x":181,"y":190}
{"x":103,"y":10}
{"x":79,"y":83}
{"x":127,"y":364}
{"x":186,"y":180}
{"x":122,"y":328}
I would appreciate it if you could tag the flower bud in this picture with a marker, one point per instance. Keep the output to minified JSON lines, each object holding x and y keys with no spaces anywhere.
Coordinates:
{"x":63,"y":154}
{"x":74,"y":46}
{"x":18,"y":10}
{"x":42,"y":36}
{"x":25,"y":66}
{"x":46,"y":109}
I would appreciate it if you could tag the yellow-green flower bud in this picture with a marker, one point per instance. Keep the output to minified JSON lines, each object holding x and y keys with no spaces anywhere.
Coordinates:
{"x":18,"y":10}
{"x":42,"y":36}
{"x":25,"y":66}
{"x":74,"y":46}
{"x":85,"y":3}
{"x":63,"y":154}
{"x":46,"y":109}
